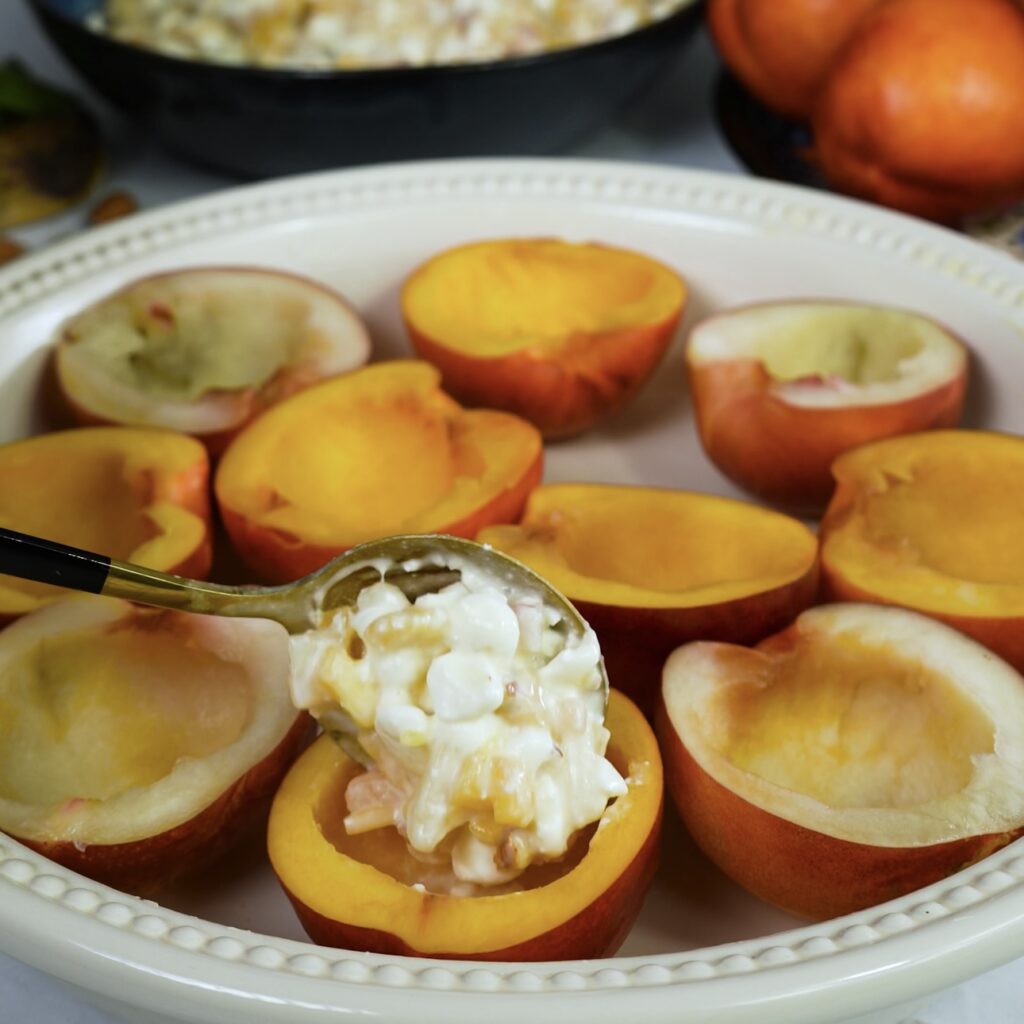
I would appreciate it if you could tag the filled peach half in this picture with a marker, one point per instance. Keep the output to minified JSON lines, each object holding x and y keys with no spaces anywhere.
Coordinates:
{"x":933,"y":522}
{"x":134,"y":494}
{"x":560,"y":333}
{"x":136,"y":744}
{"x":367,"y":892}
{"x":204,"y":350}
{"x":650,"y":569}
{"x":379,"y":451}
{"x":860,"y":754}
{"x":781,"y":389}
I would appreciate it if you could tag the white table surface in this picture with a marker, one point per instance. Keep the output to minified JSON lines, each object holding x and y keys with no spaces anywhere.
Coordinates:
{"x":673,"y":127}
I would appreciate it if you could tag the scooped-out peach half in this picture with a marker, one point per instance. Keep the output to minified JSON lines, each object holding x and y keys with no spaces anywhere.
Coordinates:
{"x":379,"y":451}
{"x":781,"y":389}
{"x":862,"y":753}
{"x":137,"y":745}
{"x":204,"y":350}
{"x":134,"y":494}
{"x":932,"y":522}
{"x":367,"y":892}
{"x":653,"y":568}
{"x":560,"y":333}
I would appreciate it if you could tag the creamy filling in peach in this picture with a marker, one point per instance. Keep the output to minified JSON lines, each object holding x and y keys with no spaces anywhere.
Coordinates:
{"x":388,"y":851}
{"x":854,"y":725}
{"x":179,"y":337}
{"x":492,"y":299}
{"x":87,"y":715}
{"x":479,"y":715}
{"x":824,"y":354}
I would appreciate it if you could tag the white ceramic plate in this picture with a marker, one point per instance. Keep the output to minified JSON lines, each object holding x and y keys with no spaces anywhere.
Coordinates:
{"x":228,"y":949}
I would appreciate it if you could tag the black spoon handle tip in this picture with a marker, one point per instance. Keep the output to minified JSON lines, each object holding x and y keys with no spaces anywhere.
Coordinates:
{"x":46,"y":561}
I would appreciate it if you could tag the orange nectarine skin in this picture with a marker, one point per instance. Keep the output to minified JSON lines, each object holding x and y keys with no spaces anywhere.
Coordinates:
{"x":783,"y":453}
{"x":782,"y":49}
{"x":791,"y":866}
{"x":593,"y":376}
{"x":924,"y":108}
{"x":151,"y":862}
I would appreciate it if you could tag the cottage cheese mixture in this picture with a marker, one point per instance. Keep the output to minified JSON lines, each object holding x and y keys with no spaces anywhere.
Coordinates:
{"x":481,"y":718}
{"x":370,"y":33}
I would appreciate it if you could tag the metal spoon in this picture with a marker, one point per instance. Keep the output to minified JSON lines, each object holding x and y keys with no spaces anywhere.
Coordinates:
{"x":416,"y":563}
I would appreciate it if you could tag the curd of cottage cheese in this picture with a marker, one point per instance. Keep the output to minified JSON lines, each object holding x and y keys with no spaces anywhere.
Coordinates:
{"x":479,"y":713}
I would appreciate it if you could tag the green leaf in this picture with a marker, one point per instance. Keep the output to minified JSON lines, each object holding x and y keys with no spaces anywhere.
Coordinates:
{"x":23,"y":97}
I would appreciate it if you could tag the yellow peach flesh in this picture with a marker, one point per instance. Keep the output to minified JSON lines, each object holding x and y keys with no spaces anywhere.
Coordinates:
{"x":495,"y":298}
{"x":382,"y":450}
{"x":118,"y":491}
{"x":933,"y":522}
{"x":720,"y":549}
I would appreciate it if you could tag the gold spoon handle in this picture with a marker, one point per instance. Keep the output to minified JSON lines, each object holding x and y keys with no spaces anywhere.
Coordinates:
{"x":46,"y":561}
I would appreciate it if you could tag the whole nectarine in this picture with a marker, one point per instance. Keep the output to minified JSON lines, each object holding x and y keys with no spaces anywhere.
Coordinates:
{"x":924,"y":108}
{"x":781,"y":49}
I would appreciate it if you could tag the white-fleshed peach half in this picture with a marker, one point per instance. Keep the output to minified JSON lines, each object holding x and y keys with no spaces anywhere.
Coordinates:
{"x":204,"y":350}
{"x":781,"y":389}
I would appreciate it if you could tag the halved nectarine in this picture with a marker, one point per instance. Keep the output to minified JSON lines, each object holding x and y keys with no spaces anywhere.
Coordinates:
{"x":204,"y":350}
{"x":136,"y":744}
{"x":782,"y":388}
{"x":650,"y":569}
{"x":134,"y":494}
{"x":782,"y":49}
{"x":923,"y":109}
{"x":860,"y":754}
{"x":379,"y":451}
{"x":933,"y":522}
{"x":367,"y":892}
{"x":560,"y":333}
